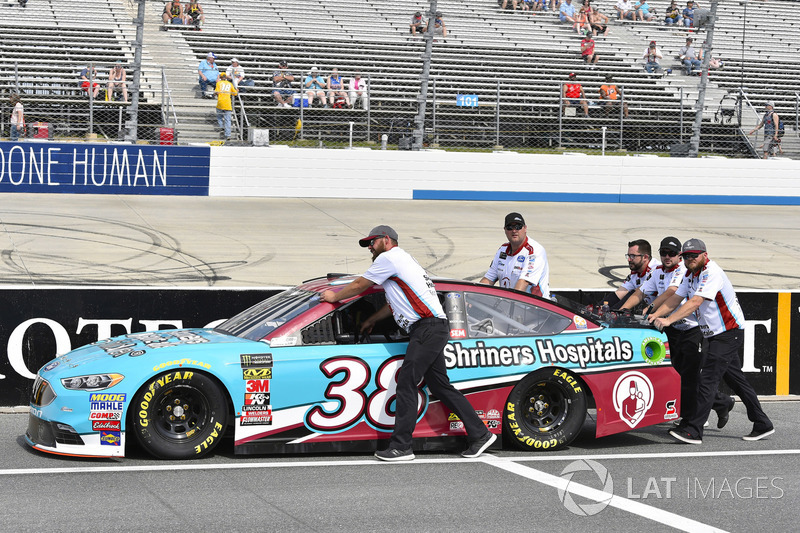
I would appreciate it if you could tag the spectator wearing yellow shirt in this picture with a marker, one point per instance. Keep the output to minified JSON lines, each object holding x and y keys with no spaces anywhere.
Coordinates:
{"x":224,"y":91}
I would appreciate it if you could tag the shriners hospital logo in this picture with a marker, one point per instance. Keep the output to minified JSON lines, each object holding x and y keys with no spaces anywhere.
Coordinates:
{"x":633,"y":397}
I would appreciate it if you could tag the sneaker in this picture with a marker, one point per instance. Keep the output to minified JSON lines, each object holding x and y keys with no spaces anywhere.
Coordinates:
{"x":286,"y":105}
{"x":685,"y":436}
{"x":679,"y":423}
{"x":479,"y":446}
{"x":722,"y":414}
{"x":758,"y":435}
{"x":393,"y":454}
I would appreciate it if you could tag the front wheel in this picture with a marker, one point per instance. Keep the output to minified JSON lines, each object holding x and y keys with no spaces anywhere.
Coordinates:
{"x":179,"y":415}
{"x":546,"y":410}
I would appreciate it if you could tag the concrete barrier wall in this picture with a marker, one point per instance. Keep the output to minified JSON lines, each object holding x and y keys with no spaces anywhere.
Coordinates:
{"x":38,"y":323}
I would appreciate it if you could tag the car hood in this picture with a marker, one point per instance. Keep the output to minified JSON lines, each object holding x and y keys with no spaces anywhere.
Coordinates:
{"x":145,"y":348}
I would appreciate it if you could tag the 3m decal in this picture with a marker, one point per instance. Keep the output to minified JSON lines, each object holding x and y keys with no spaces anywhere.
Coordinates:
{"x":633,"y":397}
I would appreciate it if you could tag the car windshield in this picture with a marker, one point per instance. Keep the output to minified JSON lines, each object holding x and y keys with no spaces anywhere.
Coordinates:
{"x":265,"y":317}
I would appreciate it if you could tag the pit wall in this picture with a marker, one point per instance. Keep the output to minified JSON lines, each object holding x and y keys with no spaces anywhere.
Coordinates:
{"x":38,"y":323}
{"x":282,"y":171}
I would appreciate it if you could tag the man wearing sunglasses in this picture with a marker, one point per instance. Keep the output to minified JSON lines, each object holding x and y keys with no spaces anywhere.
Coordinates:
{"x":641,"y":262}
{"x":520,"y":263}
{"x":412,"y":299}
{"x":684,"y":335}
{"x":708,"y":293}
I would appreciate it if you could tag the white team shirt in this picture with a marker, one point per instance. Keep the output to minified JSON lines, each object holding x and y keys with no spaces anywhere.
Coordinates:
{"x":660,"y":280}
{"x":720,"y":310}
{"x":529,"y":264}
{"x":635,"y":280}
{"x":409,"y":290}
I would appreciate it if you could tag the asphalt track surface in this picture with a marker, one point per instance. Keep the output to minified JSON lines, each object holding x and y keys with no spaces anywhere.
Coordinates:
{"x":260,"y":242}
{"x":632,"y":482}
{"x":637,"y":481}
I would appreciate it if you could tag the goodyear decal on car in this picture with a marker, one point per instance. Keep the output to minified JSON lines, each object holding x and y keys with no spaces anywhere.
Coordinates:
{"x":181,"y":362}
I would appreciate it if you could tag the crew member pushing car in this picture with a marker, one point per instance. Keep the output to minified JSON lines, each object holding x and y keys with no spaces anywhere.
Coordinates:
{"x":411,"y":298}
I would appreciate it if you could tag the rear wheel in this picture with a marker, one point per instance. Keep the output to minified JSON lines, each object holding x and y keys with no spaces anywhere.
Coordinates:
{"x":546,"y":410}
{"x":179,"y":415}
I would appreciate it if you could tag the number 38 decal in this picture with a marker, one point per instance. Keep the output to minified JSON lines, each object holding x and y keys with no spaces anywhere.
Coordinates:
{"x":353,"y":403}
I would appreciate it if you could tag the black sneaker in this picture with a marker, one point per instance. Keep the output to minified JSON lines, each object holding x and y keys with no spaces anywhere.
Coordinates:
{"x":723,"y":414}
{"x":685,"y":436}
{"x":479,"y":446}
{"x":393,"y":454}
{"x":758,"y":435}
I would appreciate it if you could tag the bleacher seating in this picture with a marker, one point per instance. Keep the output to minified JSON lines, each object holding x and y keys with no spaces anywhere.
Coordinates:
{"x":522,"y":57}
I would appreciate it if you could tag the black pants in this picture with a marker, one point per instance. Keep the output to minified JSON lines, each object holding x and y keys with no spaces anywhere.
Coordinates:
{"x":687,"y":354}
{"x":425,"y":359}
{"x":722,"y":361}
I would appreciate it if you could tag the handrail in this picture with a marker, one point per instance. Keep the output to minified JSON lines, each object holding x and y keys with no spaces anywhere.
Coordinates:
{"x":243,"y":121}
{"x":746,"y":101}
{"x":166,"y":101}
{"x":797,"y":112}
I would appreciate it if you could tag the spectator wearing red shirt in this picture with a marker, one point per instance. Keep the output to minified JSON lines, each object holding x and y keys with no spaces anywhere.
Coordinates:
{"x":573,"y":94}
{"x":587,"y":50}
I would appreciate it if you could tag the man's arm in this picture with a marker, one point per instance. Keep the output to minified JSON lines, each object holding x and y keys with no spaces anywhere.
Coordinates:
{"x":487,"y":281}
{"x":690,"y":306}
{"x":355,"y":287}
{"x":633,"y":300}
{"x":381,"y":314}
{"x":663,"y":297}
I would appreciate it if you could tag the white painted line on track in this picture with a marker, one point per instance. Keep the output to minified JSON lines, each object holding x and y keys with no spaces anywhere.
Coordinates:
{"x":646,"y":511}
{"x":245,"y":464}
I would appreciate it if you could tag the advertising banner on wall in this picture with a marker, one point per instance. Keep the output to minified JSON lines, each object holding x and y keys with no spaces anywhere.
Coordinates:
{"x":104,"y":168}
{"x":36,"y":324}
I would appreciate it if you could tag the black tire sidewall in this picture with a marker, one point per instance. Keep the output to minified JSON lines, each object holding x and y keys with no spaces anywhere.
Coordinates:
{"x":525,"y":437}
{"x":144,"y":415}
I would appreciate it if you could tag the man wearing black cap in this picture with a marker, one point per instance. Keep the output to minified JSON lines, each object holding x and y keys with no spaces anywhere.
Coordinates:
{"x":417,"y":24}
{"x":685,"y":337}
{"x":282,"y":82}
{"x":521,"y":263}
{"x":688,"y":55}
{"x":710,"y":295}
{"x":412,"y":299}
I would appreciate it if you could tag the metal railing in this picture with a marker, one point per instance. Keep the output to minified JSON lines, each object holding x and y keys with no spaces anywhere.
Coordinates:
{"x":167,"y":104}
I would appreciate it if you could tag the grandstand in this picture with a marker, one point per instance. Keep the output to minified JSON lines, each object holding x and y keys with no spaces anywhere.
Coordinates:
{"x":514,"y":61}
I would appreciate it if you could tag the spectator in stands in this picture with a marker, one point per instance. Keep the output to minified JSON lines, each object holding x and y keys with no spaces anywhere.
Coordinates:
{"x":587,"y":50}
{"x":566,"y":13}
{"x":673,"y":14}
{"x":224,"y":90}
{"x":713,"y":62}
{"x":652,"y":58}
{"x":582,"y":22}
{"x":173,"y":13}
{"x":772,"y":127}
{"x":625,"y":10}
{"x":439,"y":27}
{"x":23,"y":3}
{"x":314,"y":85}
{"x":358,"y":89}
{"x":609,"y":95}
{"x":506,"y":2}
{"x":688,"y":56}
{"x":644,"y":12}
{"x":116,"y":79}
{"x":597,"y":20}
{"x":86,"y":74}
{"x":688,"y":14}
{"x":208,"y":74}
{"x":282,"y":82}
{"x":417,"y":24}
{"x":337,"y":94}
{"x":573,"y":94}
{"x":17,"y":118}
{"x":235,"y":74}
{"x":193,"y":14}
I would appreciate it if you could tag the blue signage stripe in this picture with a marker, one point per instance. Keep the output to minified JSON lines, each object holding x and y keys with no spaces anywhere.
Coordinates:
{"x":96,"y":168}
{"x":613,"y":198}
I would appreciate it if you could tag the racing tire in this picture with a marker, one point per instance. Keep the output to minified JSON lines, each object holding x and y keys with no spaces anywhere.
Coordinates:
{"x":545,"y":410}
{"x":179,"y":415}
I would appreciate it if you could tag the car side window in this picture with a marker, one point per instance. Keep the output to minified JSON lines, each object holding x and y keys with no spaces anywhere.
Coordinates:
{"x":346,"y":322}
{"x":495,"y":316}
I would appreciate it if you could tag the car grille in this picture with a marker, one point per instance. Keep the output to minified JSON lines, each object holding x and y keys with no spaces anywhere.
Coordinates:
{"x":49,"y":433}
{"x":42,"y":393}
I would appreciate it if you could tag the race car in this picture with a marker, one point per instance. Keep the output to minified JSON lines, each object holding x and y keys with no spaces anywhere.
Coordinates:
{"x":296,"y":374}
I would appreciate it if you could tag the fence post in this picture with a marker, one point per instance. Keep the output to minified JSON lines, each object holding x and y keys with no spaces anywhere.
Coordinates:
{"x":497,"y":119}
{"x":434,"y":135}
{"x":302,"y":95}
{"x":560,"y":111}
{"x":89,"y":91}
{"x":680,"y":122}
{"x":369,"y":105}
{"x":621,"y":114}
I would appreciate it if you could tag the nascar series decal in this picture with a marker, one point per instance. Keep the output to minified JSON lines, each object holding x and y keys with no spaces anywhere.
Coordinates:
{"x":633,"y":397}
{"x":257,"y":406}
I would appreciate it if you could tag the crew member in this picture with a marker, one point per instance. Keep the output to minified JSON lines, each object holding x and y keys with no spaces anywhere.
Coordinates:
{"x":641,"y":262}
{"x":521,"y":263}
{"x":412,"y":299}
{"x":709,"y":293}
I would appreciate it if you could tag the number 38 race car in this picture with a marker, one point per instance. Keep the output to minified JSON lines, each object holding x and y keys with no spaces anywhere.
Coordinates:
{"x":294,"y":374}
